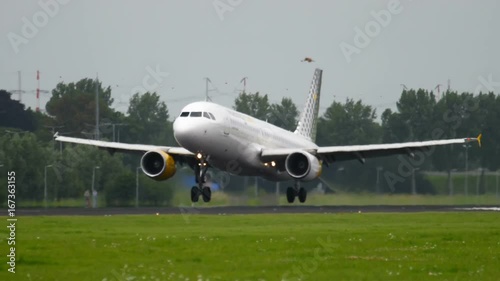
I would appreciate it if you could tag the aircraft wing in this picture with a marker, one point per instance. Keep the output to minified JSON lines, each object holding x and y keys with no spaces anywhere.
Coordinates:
{"x":331,"y":154}
{"x":179,"y":153}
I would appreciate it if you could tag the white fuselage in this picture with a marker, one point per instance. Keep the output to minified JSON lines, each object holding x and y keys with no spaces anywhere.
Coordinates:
{"x":233,"y":141}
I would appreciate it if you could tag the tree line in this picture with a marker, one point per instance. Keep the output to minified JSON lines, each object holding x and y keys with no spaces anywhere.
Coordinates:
{"x":27,"y":145}
{"x":418,"y":116}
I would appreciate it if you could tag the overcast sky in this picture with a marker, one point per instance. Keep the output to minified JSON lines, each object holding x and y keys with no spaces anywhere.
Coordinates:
{"x":424,"y":43}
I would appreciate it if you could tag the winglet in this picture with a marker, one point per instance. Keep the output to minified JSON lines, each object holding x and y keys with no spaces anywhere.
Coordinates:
{"x":56,"y":135}
{"x":479,"y":139}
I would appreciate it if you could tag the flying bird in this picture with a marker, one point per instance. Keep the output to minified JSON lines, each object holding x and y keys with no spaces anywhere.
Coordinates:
{"x":307,"y":59}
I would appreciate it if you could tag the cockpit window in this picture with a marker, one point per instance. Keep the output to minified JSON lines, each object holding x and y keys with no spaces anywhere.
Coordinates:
{"x":205,"y":114}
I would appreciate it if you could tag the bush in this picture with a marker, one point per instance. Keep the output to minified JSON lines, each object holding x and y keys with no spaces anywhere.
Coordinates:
{"x":120,"y":190}
{"x":156,"y":193}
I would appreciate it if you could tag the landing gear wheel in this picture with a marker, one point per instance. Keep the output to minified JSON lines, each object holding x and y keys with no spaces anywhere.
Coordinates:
{"x":206,"y":193}
{"x":302,"y":195}
{"x":200,"y":170}
{"x":195,"y":194}
{"x":290,"y":194}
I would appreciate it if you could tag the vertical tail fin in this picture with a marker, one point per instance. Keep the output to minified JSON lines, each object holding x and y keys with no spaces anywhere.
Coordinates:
{"x":309,"y":117}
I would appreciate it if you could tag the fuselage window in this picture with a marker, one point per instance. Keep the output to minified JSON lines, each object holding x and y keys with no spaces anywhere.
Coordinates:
{"x":211,"y":115}
{"x":205,"y":114}
{"x":185,"y":114}
{"x":195,"y":114}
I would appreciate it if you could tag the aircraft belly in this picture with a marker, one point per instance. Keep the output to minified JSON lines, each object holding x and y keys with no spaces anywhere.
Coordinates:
{"x":235,"y":154}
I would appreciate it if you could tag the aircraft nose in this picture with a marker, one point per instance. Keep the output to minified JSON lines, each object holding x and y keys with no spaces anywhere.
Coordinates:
{"x":180,"y":130}
{"x":189,"y":131}
{"x":186,"y":132}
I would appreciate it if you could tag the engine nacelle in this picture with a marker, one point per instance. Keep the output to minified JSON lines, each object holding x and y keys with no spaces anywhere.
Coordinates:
{"x":303,"y":166}
{"x":158,"y":165}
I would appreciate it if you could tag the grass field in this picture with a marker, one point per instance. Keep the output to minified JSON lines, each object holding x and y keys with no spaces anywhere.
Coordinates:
{"x":418,"y":246}
{"x":182,"y":197}
{"x":341,"y":198}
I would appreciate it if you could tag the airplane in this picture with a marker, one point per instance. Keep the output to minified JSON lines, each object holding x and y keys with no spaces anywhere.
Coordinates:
{"x":211,"y":135}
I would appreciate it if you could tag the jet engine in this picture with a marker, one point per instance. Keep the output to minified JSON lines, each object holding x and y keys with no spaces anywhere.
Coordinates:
{"x":303,"y":166}
{"x":158,"y":165}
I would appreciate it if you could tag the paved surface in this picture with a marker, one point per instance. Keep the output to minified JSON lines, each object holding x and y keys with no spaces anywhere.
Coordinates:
{"x":230,"y":210}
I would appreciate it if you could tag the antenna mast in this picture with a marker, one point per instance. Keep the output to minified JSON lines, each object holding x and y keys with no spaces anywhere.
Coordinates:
{"x":207,"y":97}
{"x":97,"y":107}
{"x":19,"y":85}
{"x":438,"y":87}
{"x":244,"y":80}
{"x":38,"y":91}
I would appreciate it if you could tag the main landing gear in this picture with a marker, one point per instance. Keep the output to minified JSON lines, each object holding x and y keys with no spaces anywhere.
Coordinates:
{"x":296,"y":191}
{"x":200,"y":171}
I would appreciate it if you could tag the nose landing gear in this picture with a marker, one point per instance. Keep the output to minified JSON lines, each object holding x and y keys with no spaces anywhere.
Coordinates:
{"x":200,"y":171}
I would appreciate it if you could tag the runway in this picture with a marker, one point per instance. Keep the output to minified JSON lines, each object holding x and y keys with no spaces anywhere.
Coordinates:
{"x":239,"y":210}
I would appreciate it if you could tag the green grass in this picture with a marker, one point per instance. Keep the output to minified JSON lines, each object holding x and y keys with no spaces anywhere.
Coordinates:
{"x":67,"y":202}
{"x":418,"y":246}
{"x":363,"y":199}
{"x":397,"y":199}
{"x":182,"y":198}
